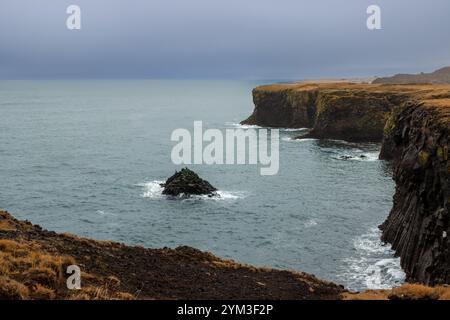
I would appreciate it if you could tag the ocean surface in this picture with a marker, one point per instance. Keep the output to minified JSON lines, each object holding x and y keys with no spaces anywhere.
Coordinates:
{"x":87,"y":157}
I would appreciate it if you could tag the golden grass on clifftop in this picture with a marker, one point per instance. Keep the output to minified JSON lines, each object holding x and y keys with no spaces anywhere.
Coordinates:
{"x":434,"y":96}
{"x":405,"y":292}
{"x":26,"y":272}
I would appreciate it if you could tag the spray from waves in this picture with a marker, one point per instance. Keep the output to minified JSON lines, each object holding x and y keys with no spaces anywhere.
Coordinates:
{"x":241,"y":126}
{"x":290,"y":139}
{"x":359,"y":155}
{"x":294,"y":129}
{"x":310,"y":223}
{"x":250,"y":126}
{"x":104,"y":213}
{"x":373,"y":266}
{"x":153,"y":190}
{"x":369,"y":156}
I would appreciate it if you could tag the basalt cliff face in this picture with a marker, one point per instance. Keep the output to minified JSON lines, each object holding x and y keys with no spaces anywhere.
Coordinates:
{"x":348,"y":111}
{"x":417,"y":140}
{"x":414,"y":123}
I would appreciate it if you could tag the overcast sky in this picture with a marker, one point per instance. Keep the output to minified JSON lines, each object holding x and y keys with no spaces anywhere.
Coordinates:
{"x":237,"y":39}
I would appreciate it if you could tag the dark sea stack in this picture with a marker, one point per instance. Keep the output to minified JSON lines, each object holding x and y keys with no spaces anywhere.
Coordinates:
{"x":417,"y":139}
{"x":187,"y":182}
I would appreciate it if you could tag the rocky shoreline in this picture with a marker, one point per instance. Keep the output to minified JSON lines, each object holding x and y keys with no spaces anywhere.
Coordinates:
{"x":413,"y":123}
{"x":33,"y":264}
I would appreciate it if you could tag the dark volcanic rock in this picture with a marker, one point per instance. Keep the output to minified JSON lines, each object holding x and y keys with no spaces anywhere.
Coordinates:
{"x":187,"y":182}
{"x":352,"y":112}
{"x":417,"y":139}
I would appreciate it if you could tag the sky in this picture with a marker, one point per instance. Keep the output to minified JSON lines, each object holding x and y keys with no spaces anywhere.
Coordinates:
{"x":221,"y":39}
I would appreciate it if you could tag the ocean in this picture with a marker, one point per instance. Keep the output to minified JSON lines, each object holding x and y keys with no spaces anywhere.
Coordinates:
{"x":86,"y":157}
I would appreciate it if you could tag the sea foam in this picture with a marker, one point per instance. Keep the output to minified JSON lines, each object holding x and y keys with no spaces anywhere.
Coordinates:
{"x":373,"y":266}
{"x":153,"y":190}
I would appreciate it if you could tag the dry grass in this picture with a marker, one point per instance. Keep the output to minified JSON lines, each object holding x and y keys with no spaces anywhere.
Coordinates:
{"x":26,"y":272}
{"x":5,"y":225}
{"x":438,"y":94}
{"x":405,"y":292}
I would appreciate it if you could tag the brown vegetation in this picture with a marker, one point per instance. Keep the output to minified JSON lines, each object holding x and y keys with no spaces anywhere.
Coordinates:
{"x":27,"y":272}
{"x":33,"y":263}
{"x":404,"y":292}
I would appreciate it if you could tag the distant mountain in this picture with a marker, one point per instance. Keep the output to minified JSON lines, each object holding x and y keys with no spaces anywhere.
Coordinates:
{"x":438,"y":76}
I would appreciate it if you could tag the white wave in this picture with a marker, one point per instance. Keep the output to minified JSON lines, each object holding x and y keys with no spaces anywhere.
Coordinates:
{"x":230,"y":195}
{"x":153,"y":190}
{"x":103,"y":213}
{"x":310,"y":223}
{"x":220,"y":195}
{"x":254,"y":126}
{"x":304,"y":140}
{"x":364,"y":156}
{"x":373,"y":266}
{"x":294,"y":129}
{"x":369,"y":156}
{"x":242,"y":126}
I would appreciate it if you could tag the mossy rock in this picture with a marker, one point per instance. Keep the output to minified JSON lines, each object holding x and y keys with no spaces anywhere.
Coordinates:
{"x":423,"y":158}
{"x":442,"y":153}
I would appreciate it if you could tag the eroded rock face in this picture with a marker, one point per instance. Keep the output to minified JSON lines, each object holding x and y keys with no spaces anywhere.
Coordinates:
{"x":347,"y":111}
{"x":353,"y":115}
{"x":417,"y":139}
{"x":283,"y":108}
{"x":187,"y":182}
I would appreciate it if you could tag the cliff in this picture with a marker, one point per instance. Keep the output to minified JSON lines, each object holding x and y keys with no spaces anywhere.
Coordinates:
{"x":439,"y":76}
{"x":414,"y":123}
{"x":33,"y":264}
{"x":341,"y":110}
{"x":417,"y":140}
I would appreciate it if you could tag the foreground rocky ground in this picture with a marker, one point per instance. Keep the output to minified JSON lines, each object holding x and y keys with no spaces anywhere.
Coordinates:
{"x":33,"y":262}
{"x":33,"y":265}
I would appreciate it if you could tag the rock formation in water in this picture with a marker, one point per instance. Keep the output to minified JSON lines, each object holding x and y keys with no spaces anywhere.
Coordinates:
{"x":417,"y":139}
{"x":439,"y":76}
{"x":187,"y":182}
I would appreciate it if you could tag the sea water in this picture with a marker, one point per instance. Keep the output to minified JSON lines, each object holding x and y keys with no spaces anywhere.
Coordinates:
{"x":88,"y":157}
